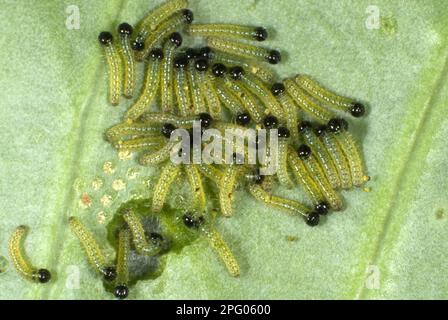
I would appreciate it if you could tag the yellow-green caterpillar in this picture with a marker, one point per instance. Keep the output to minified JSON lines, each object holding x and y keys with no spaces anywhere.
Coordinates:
{"x":207,"y":87}
{"x":114,"y":67}
{"x":215,"y":240}
{"x":94,"y":254}
{"x":182,"y":88}
{"x":197,"y":189}
{"x":163,"y":30}
{"x":150,"y":87}
{"x":121,"y":290}
{"x":226,"y":189}
{"x":228,"y":31}
{"x":154,"y":18}
{"x":329,"y":98}
{"x":142,"y":246}
{"x":166,"y":76}
{"x":305,"y":103}
{"x":127,"y":56}
{"x":348,"y":145}
{"x":245,"y":50}
{"x":306,"y":155}
{"x":338,"y":156}
{"x":169,"y":173}
{"x":23,"y":267}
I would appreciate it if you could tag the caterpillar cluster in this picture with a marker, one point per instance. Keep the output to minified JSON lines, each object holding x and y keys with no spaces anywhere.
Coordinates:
{"x":226,"y":84}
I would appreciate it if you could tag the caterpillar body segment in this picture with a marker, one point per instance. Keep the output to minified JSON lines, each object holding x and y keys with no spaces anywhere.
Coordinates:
{"x":229,"y":100}
{"x":125,"y":31}
{"x":290,"y":206}
{"x":94,"y":254}
{"x":283,"y":167}
{"x":162,"y":32}
{"x":139,"y":144}
{"x":228,"y":31}
{"x":167,"y":74}
{"x":20,"y":262}
{"x":354,"y":158}
{"x":170,"y":171}
{"x":157,"y":119}
{"x":182,"y":88}
{"x":207,"y":87}
{"x":316,"y":171}
{"x":305,"y":103}
{"x":289,"y":107}
{"x":339,"y":127}
{"x":114,"y":67}
{"x":329,"y":98}
{"x":156,"y":16}
{"x":338,"y":156}
{"x":198,"y":99}
{"x":197,"y":188}
{"x":245,"y":50}
{"x":159,"y":156}
{"x":220,"y":246}
{"x":125,"y":129}
{"x":211,"y":172}
{"x":124,"y":249}
{"x":226,"y":189}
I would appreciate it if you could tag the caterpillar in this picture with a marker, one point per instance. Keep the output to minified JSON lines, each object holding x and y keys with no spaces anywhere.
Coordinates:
{"x":305,"y":103}
{"x":154,"y":18}
{"x":228,"y":31}
{"x":182,"y":89}
{"x":306,"y":155}
{"x":282,"y":170}
{"x":292,"y":207}
{"x":139,"y":240}
{"x":206,"y":86}
{"x":94,"y":254}
{"x":337,"y":154}
{"x":166,"y":28}
{"x":348,"y":145}
{"x":121,"y":290}
{"x":125,"y":31}
{"x":302,"y":176}
{"x":331,"y":99}
{"x":20,"y":262}
{"x":245,"y":50}
{"x":169,"y":173}
{"x":215,"y":240}
{"x":166,"y":76}
{"x":114,"y":67}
